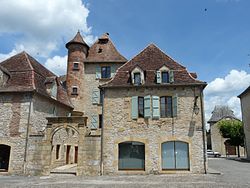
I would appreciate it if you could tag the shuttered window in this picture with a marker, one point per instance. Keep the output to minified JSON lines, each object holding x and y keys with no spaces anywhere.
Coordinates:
{"x":94,"y":122}
{"x":155,"y":107}
{"x":134,"y":107}
{"x":147,"y":106}
{"x":171,"y":76}
{"x":166,"y":106}
{"x":95,"y":96}
{"x":165,"y":77}
{"x":98,"y":72}
{"x":141,"y":106}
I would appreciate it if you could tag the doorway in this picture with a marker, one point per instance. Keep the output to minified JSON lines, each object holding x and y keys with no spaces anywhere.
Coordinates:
{"x":4,"y":157}
{"x":67,"y":154}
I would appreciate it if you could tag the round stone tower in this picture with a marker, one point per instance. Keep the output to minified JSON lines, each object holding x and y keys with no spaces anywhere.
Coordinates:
{"x":77,"y":53}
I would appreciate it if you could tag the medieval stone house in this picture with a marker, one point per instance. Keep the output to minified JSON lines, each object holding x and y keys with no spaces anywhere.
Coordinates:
{"x":114,"y":116}
{"x":245,"y":108}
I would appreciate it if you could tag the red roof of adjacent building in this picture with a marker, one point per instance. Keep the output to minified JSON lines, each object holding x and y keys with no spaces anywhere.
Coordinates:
{"x":150,"y":60}
{"x":103,"y":50}
{"x":26,"y":74}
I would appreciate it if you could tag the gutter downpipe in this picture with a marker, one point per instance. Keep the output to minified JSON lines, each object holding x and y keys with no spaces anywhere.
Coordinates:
{"x":27,"y":135}
{"x":203,"y":130}
{"x":102,"y":130}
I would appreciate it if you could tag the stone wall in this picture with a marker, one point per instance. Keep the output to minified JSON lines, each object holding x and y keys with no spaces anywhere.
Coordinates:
{"x":14,"y":110}
{"x":245,"y":107}
{"x":119,"y":127}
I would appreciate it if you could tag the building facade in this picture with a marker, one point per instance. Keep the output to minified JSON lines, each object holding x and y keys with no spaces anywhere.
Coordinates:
{"x":245,"y":109}
{"x":109,"y":116}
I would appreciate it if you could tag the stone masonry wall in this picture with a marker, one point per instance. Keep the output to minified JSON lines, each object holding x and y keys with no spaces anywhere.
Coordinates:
{"x":119,"y":127}
{"x":245,"y":107}
{"x":14,"y":110}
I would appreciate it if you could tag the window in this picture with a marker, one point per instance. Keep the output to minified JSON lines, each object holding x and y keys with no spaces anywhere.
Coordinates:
{"x":105,"y":72}
{"x":175,"y":155}
{"x":166,"y":106}
{"x":137,"y":78}
{"x":76,"y":66}
{"x":74,"y":90}
{"x":141,"y":106}
{"x":57,"y":151}
{"x":131,"y":156}
{"x":100,"y":120}
{"x":164,"y":77}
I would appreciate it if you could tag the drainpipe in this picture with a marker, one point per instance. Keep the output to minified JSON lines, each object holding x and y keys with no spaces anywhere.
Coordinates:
{"x":102,"y":130}
{"x":203,"y":130}
{"x":27,"y":134}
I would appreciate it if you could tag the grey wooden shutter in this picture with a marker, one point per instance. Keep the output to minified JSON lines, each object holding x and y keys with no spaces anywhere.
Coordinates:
{"x":98,"y":72}
{"x":94,"y":122}
{"x":175,"y":105}
{"x":156,"y":107}
{"x":171,"y":76}
{"x":112,"y":71}
{"x":158,"y":77}
{"x":95,"y":96}
{"x":147,"y":106}
{"x":134,"y":107}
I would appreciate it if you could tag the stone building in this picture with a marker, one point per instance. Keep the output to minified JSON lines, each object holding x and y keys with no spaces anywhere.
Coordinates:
{"x":218,"y":143}
{"x":245,"y":109}
{"x":28,"y":94}
{"x":106,"y":116}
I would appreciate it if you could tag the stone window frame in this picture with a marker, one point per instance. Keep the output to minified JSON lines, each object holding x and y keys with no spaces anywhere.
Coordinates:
{"x":164,"y":69}
{"x":137,"y":70}
{"x":76,"y":90}
{"x":76,"y":66}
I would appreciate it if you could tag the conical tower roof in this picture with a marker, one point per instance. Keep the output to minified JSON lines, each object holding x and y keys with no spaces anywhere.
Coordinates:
{"x":77,"y":40}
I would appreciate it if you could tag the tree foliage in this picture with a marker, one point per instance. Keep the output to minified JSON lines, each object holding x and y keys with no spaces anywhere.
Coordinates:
{"x":233,"y":131}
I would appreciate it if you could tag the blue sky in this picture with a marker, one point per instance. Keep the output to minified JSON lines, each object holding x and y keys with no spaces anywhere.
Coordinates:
{"x":210,"y":37}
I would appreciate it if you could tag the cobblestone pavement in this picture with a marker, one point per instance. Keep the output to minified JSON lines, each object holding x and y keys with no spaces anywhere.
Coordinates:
{"x":234,"y":174}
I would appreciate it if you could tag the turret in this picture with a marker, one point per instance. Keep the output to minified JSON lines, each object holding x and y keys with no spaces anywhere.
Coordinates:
{"x":77,"y":53}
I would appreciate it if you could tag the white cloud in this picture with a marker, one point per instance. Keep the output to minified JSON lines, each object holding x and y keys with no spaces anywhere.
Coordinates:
{"x":224,"y":91}
{"x":43,"y":25}
{"x":57,"y":64}
{"x":6,"y":56}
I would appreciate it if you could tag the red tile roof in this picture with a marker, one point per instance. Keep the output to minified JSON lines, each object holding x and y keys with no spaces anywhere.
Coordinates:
{"x":26,"y":74}
{"x":150,"y":60}
{"x":77,"y":40}
{"x":103,"y":50}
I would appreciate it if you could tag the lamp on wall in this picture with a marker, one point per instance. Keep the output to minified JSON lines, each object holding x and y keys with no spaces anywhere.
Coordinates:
{"x":196,"y":109}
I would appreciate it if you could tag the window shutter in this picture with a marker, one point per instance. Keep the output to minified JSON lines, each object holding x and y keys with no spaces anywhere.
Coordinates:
{"x":54,"y":90}
{"x":112,"y":71}
{"x":147,"y":106}
{"x":134,"y":107}
{"x":94,"y":122}
{"x":171,"y":76}
{"x":158,"y":77}
{"x":156,"y":109}
{"x":95,"y":96}
{"x":98,"y":72}
{"x":175,"y":105}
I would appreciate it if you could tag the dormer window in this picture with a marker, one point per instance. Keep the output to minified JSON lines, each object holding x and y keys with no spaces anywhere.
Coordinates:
{"x":137,"y":76}
{"x":76,"y":66}
{"x":165,"y":77}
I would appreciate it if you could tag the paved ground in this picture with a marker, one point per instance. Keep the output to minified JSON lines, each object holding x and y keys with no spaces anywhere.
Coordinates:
{"x":234,"y":174}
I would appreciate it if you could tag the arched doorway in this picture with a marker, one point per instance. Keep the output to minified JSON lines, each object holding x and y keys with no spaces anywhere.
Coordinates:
{"x":175,"y":155}
{"x":4,"y":157}
{"x":131,"y":156}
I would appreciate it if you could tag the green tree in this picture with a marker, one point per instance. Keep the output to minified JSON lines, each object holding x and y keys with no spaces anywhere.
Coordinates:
{"x":233,"y":131}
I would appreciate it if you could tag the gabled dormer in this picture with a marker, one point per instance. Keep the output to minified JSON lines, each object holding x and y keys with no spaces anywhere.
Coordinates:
{"x":164,"y":75}
{"x":137,"y":76}
{"x":4,"y":76}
